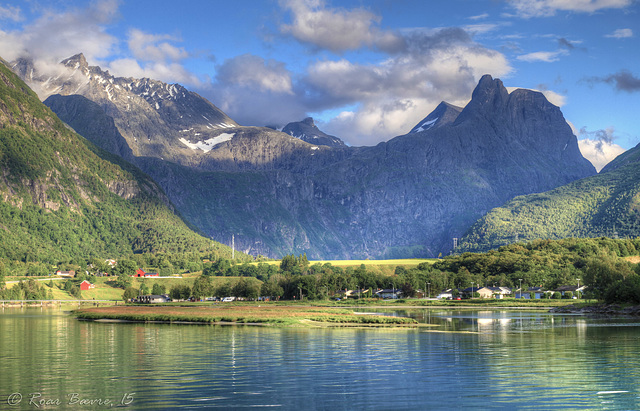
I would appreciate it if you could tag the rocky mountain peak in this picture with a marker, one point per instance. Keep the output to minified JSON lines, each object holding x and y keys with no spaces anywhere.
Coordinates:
{"x":306,"y":130}
{"x":489,"y":96}
{"x":77,"y":61}
{"x":444,"y":114}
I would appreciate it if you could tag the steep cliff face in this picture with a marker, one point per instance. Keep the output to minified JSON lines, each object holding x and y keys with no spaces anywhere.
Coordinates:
{"x":90,"y":120}
{"x":406,"y":197}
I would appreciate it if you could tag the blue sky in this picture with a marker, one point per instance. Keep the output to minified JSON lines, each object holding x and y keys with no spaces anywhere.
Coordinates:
{"x":365,"y":70}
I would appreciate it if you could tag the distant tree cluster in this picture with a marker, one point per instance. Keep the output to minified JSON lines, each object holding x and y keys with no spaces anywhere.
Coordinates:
{"x":595,"y":262}
{"x":26,"y":290}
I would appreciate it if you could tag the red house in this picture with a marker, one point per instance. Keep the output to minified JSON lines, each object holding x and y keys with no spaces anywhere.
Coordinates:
{"x":86,"y":285}
{"x":141,"y":273}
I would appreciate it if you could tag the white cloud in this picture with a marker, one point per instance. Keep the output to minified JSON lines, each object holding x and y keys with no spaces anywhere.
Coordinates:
{"x":13,"y":13}
{"x":543,"y":56}
{"x":475,"y":29}
{"x":169,"y":72}
{"x":546,"y":8}
{"x":254,"y":91}
{"x":598,"y":146}
{"x":153,"y":56}
{"x":55,"y":36}
{"x":600,"y":153}
{"x":479,"y":16}
{"x":335,"y":29}
{"x":255,"y":72}
{"x":151,"y":47}
{"x":394,"y":94}
{"x":380,"y":121}
{"x":621,"y":34}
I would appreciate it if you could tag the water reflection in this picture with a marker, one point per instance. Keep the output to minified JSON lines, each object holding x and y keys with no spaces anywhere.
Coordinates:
{"x":491,"y":359}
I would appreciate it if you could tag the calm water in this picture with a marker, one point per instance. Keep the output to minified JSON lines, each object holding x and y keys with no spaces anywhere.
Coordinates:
{"x":511,"y":360}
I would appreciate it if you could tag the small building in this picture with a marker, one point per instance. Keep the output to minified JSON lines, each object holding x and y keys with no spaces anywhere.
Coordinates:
{"x":535,"y":293}
{"x":499,"y":292}
{"x":484,"y":292}
{"x":570,"y":288}
{"x":445,"y":294}
{"x":141,"y":273}
{"x":66,"y":274}
{"x":86,"y":285}
{"x":392,"y":293}
{"x":154,"y":299}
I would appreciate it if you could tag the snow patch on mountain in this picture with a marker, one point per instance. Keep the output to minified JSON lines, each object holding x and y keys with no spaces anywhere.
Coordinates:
{"x":209,"y":144}
{"x":425,"y":126}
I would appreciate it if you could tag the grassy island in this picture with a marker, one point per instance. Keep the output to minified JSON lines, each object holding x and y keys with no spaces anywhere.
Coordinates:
{"x":297,"y":316}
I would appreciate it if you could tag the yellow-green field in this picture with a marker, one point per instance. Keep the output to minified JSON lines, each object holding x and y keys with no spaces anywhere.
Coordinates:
{"x":407,"y":262}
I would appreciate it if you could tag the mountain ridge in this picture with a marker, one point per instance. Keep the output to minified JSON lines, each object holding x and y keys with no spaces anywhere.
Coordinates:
{"x":406,"y":197}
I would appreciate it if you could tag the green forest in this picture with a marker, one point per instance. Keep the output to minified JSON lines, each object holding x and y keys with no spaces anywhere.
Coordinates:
{"x":607,"y":204}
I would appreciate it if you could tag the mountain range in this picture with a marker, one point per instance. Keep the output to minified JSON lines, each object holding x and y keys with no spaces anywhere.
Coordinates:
{"x":278,"y":194}
{"x":64,"y":199}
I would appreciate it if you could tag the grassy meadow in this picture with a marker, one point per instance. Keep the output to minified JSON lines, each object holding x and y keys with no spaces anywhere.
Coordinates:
{"x":298,"y":316}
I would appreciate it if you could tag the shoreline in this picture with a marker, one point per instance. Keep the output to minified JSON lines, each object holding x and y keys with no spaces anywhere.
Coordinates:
{"x":607,"y":310}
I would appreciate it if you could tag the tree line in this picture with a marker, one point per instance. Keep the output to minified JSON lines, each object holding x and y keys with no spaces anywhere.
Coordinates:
{"x":602,"y":264}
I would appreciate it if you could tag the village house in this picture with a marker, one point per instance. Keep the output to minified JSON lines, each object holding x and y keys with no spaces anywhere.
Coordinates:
{"x":535,"y":293}
{"x":570,"y":288}
{"x":141,"y":273}
{"x":86,"y":285}
{"x":392,"y":293}
{"x":151,"y":299}
{"x":499,"y":292}
{"x":445,"y":294}
{"x":67,"y":274}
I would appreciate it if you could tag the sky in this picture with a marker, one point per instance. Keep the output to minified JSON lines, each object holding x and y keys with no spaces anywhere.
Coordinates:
{"x":366,"y":71}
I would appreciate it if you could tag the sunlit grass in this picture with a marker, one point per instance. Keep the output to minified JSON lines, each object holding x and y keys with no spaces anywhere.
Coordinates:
{"x":242,"y":314}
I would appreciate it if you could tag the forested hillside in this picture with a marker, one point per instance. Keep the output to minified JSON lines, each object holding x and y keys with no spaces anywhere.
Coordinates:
{"x":63,"y":199}
{"x":607,"y":204}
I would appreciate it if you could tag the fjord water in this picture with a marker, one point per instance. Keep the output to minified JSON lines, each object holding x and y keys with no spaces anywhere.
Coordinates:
{"x":482,"y":360}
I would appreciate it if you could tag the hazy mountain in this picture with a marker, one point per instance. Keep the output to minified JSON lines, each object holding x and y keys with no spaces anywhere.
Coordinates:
{"x":306,"y":130}
{"x":62,"y":198}
{"x":407,"y":197}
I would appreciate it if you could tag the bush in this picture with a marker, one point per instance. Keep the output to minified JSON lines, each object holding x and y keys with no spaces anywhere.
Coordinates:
{"x":130,"y":293}
{"x":624,"y":291}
